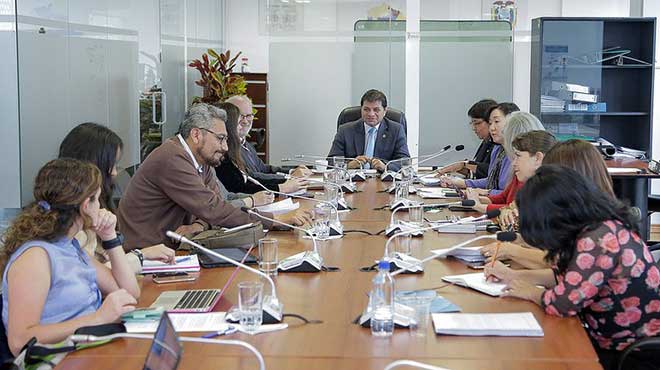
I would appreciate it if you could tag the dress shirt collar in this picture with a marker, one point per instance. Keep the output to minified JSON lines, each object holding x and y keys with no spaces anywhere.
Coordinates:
{"x":187,"y":149}
{"x":367,"y":127}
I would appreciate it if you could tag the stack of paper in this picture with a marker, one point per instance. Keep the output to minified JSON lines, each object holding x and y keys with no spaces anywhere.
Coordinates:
{"x":183,"y":264}
{"x":183,"y":322}
{"x":468,"y":254}
{"x":520,"y":324}
{"x":436,"y":193}
{"x":476,"y":281}
{"x":283,"y":206}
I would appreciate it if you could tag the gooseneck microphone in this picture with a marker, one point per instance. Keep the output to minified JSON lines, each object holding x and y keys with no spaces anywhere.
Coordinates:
{"x":302,"y":262}
{"x":88,"y":338}
{"x":394,"y":228}
{"x":271,"y":304}
{"x":504,"y":236}
{"x":398,"y":260}
{"x":418,"y":157}
{"x":337,"y":227}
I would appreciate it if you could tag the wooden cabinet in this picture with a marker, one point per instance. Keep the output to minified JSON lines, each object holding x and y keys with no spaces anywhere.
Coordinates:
{"x":257,"y":90}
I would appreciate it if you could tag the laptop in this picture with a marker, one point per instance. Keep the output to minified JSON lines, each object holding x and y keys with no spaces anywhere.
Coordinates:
{"x":165,"y":352}
{"x":191,"y":301}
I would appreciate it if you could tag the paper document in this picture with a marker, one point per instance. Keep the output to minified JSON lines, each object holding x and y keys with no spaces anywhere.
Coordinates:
{"x":283,"y":206}
{"x":458,"y":251}
{"x":617,"y":170}
{"x":476,"y":281}
{"x":183,"y":322}
{"x":520,"y":324}
{"x":183,"y":263}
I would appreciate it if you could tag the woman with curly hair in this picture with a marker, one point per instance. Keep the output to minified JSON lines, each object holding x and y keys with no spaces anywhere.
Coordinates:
{"x":50,"y":286}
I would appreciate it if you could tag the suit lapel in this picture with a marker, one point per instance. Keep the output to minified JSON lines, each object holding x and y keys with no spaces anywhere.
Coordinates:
{"x":359,"y":138}
{"x":381,"y":140}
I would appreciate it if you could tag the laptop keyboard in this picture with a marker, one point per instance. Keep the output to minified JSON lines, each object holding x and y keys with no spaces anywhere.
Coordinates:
{"x":198,"y":300}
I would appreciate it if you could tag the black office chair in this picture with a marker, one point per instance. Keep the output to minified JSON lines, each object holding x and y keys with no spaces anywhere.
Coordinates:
{"x":646,"y":344}
{"x":351,"y":114}
{"x":5,"y":353}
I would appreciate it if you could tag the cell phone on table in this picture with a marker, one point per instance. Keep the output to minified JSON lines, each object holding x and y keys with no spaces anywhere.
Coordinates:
{"x":172,"y":277}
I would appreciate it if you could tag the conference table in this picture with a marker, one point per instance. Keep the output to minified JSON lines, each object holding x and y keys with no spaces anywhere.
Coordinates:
{"x":338,"y":297}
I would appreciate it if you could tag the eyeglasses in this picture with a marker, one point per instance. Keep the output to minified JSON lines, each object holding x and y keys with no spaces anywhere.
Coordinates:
{"x":220,"y":137}
{"x":248,"y":117}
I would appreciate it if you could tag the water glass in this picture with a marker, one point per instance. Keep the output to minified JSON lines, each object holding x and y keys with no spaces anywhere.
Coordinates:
{"x":416,"y":215}
{"x":339,"y":162}
{"x":419,"y":322}
{"x":402,"y":190}
{"x":250,"y":299}
{"x":322,"y":213}
{"x":268,"y":256}
{"x":402,"y":244}
{"x":331,"y":194}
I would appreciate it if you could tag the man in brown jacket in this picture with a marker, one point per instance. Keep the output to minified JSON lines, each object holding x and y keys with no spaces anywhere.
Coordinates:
{"x":176,"y":188}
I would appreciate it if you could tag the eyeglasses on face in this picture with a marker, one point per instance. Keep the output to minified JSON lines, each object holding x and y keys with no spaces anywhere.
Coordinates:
{"x":247,"y":117}
{"x":221,"y":137}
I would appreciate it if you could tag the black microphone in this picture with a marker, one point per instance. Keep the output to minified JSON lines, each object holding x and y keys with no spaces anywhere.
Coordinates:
{"x":302,"y":262}
{"x":271,"y":305}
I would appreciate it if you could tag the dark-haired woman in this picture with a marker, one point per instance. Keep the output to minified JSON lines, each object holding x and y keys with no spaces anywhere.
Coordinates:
{"x":232,"y":171}
{"x":102,"y":147}
{"x":499,"y":169}
{"x":602,"y":271}
{"x":50,"y":286}
{"x":576,"y":154}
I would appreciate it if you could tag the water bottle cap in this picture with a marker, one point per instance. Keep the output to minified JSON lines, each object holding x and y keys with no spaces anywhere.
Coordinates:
{"x":383,"y":265}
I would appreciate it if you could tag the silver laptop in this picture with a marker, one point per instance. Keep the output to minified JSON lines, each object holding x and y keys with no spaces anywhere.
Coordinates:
{"x":197,"y":300}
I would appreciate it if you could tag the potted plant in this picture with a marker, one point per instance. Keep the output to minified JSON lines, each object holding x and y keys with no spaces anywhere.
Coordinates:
{"x":217,"y":78}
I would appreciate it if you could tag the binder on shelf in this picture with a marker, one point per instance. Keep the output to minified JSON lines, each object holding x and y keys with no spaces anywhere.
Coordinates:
{"x":587,"y":107}
{"x":576,"y":96}
{"x":556,"y":85}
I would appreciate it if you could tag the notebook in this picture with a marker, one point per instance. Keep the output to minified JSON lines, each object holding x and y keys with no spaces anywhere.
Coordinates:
{"x":520,"y":324}
{"x":183,"y":264}
{"x":182,"y":322}
{"x":464,"y":253}
{"x":476,"y":281}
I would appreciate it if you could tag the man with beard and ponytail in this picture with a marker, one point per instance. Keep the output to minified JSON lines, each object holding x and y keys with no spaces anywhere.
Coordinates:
{"x":176,"y":188}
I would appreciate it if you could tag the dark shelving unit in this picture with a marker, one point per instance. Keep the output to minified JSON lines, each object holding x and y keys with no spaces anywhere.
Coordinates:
{"x":569,"y":50}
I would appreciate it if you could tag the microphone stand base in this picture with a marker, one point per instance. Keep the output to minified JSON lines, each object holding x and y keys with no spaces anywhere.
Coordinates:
{"x":387,"y":176}
{"x":302,"y":262}
{"x":402,"y":315}
{"x":349,"y":188}
{"x":336,"y":229}
{"x":396,"y":228}
{"x":400,"y":203}
{"x":342,"y":205}
{"x":401,"y":261}
{"x":272,"y":312}
{"x":358,"y":176}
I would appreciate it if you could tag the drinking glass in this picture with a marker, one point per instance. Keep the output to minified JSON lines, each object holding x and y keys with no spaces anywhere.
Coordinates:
{"x":416,"y":215}
{"x":268,"y":256}
{"x":402,"y":244}
{"x":322,"y":213}
{"x":250,"y":299}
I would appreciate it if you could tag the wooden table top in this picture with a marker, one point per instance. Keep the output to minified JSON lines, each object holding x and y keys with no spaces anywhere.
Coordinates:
{"x":337,"y":298}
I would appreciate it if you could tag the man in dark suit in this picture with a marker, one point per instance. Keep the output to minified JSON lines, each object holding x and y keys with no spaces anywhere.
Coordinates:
{"x":373,"y":139}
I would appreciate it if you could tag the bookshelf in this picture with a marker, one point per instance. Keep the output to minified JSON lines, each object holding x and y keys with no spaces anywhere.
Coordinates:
{"x":614,"y":59}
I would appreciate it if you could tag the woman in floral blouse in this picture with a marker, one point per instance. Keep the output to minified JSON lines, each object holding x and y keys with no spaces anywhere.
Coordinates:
{"x":602,"y":271}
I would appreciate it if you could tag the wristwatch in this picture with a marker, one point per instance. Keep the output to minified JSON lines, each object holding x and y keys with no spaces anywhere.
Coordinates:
{"x":113,"y":243}
{"x":139,"y":255}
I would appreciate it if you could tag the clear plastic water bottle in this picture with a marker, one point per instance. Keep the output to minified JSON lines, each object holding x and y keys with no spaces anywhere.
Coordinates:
{"x":382,"y":302}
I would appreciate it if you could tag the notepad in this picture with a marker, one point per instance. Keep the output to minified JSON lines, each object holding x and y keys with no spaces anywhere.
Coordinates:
{"x":183,"y":322}
{"x":183,"y":264}
{"x":458,"y":252}
{"x":476,"y":281}
{"x":520,"y":324}
{"x":622,"y":170}
{"x":283,"y":206}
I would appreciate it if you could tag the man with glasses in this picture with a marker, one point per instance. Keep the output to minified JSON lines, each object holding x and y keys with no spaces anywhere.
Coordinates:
{"x":176,"y":188}
{"x":255,"y":166}
{"x":478,"y":114}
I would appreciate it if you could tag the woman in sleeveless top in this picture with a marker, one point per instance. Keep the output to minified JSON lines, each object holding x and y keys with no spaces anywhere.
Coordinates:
{"x":50,"y":286}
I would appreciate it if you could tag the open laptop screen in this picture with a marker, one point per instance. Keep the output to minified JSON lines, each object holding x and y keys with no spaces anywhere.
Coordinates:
{"x":165,"y":352}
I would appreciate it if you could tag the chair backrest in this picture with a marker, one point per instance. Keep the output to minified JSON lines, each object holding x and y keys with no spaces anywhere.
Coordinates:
{"x":5,"y":353}
{"x":351,"y":114}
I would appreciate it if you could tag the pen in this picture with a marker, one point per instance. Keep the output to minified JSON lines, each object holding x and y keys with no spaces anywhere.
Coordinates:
{"x":497,"y":250}
{"x":230,"y":330}
{"x":184,"y":259}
